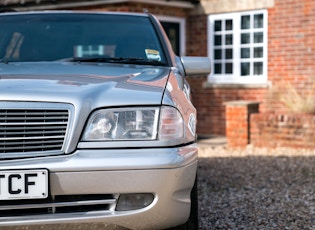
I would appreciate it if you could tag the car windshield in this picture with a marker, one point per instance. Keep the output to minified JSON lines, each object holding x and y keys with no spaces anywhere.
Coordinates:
{"x":79,"y":37}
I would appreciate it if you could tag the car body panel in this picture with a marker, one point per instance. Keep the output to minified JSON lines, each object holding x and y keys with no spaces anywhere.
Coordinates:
{"x":87,"y":169}
{"x":110,"y":159}
{"x":161,"y":182}
{"x":102,"y":85}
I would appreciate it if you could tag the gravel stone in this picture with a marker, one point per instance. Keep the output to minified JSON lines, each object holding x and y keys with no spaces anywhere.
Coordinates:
{"x":250,"y":188}
{"x":256,"y":188}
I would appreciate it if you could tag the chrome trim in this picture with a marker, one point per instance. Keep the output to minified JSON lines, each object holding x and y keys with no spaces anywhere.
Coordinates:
{"x":129,"y":144}
{"x":59,"y":204}
{"x":31,"y":129}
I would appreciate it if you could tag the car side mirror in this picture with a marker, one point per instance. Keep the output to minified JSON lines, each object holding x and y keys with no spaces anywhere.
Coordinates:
{"x":196,"y":65}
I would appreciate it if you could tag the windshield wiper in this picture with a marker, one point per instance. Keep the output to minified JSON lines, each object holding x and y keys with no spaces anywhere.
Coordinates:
{"x":140,"y":61}
{"x":5,"y":61}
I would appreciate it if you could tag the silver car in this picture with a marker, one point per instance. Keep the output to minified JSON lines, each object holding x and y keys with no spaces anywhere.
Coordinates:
{"x":96,"y":122}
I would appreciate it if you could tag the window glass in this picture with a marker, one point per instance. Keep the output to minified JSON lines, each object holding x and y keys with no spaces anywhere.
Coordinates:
{"x":258,"y":52}
{"x":258,"y":21}
{"x":258,"y":37}
{"x":258,"y":68}
{"x":173,"y":31}
{"x":228,"y":53}
{"x":238,"y":47}
{"x":223,"y":46}
{"x":217,"y":40}
{"x":245,"y":22}
{"x":245,"y":68}
{"x":228,"y":25}
{"x":245,"y":38}
{"x":218,"y":54}
{"x":245,"y":52}
{"x":217,"y":25}
{"x":217,"y":68}
{"x":228,"y":68}
{"x":58,"y":36}
{"x":229,"y":39}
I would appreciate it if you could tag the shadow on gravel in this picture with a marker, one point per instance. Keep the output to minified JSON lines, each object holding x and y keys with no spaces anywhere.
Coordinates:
{"x":256,"y":192}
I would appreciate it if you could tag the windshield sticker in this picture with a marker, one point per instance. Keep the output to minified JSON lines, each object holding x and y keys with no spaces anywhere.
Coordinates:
{"x":153,"y":54}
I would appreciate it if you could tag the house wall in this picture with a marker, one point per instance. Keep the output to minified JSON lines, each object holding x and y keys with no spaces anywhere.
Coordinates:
{"x":291,"y":48}
{"x":291,"y":62}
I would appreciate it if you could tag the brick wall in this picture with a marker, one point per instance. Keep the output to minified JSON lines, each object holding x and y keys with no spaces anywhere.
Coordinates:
{"x":238,"y":122}
{"x":291,"y":47}
{"x":209,"y":102}
{"x":196,"y":35}
{"x":291,"y":61}
{"x":283,"y":130}
{"x":245,"y":125}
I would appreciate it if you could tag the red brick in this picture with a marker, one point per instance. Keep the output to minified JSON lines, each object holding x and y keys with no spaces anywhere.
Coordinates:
{"x":274,"y":130}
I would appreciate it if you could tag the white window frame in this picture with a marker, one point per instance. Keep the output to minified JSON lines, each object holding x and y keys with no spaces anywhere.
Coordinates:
{"x":182,"y":32}
{"x":235,"y":77}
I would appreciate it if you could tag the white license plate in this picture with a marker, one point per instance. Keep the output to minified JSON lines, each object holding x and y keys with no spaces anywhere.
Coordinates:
{"x":23,"y":184}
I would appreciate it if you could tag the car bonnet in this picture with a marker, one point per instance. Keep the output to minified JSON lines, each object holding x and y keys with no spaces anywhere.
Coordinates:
{"x":100,"y":84}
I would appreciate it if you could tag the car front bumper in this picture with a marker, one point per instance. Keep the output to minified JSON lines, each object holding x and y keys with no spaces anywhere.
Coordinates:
{"x":167,"y":173}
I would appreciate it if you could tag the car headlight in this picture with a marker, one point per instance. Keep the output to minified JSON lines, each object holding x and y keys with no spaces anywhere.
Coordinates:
{"x":134,"y":124}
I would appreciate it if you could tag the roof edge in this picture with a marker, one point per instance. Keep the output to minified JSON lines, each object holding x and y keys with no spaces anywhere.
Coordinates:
{"x":63,"y":5}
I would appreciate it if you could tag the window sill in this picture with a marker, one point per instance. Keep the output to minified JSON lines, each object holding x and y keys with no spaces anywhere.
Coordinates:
{"x":236,"y":85}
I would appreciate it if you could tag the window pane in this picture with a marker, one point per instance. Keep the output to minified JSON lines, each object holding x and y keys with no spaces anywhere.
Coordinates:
{"x":258,"y":68}
{"x":258,"y":21}
{"x":218,"y":68}
{"x":245,"y":53}
{"x":245,"y":68}
{"x":229,"y":68}
{"x":229,"y":39}
{"x":217,"y":25}
{"x":217,"y":40}
{"x":228,"y":25}
{"x":228,"y":54}
{"x":238,"y":45}
{"x":258,"y":37}
{"x":218,"y":54}
{"x":245,"y":38}
{"x":258,"y":52}
{"x":245,"y":22}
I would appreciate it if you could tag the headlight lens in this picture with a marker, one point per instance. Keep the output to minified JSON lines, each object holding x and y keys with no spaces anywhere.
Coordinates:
{"x":134,"y":124}
{"x":122,"y":124}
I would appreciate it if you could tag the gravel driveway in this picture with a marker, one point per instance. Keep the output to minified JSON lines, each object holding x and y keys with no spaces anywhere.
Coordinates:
{"x":256,"y":188}
{"x":252,"y":188}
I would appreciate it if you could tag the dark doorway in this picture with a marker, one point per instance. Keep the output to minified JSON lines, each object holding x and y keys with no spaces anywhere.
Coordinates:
{"x":172,"y":29}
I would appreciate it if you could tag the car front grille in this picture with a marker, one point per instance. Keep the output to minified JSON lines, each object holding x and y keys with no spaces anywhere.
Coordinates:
{"x":32,"y":132}
{"x":57,"y":204}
